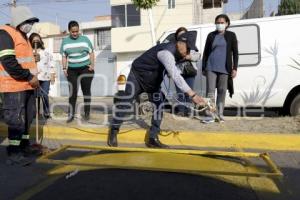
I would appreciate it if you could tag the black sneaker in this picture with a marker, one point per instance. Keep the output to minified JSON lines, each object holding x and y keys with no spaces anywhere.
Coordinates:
{"x":181,"y":114}
{"x":70,"y":119}
{"x":47,"y":116}
{"x":86,"y":117}
{"x":155,"y":143}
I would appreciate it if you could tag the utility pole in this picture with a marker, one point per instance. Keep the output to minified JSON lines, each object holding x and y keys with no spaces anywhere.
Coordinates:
{"x":241,"y":5}
{"x":56,"y":18}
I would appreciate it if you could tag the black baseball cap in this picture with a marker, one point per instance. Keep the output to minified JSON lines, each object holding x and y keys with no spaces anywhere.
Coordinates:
{"x":187,"y":38}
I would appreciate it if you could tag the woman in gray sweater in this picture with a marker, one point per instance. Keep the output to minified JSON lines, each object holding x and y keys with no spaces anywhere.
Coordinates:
{"x":220,"y":62}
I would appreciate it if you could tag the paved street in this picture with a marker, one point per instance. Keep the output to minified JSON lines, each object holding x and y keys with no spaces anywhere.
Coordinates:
{"x":38,"y":180}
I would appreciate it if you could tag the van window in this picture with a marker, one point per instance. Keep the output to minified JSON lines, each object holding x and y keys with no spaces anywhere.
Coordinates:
{"x":249,"y":44}
{"x":171,"y":37}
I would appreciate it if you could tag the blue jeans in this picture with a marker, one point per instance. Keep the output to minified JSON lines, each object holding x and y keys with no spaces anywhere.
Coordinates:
{"x":183,"y":98}
{"x":125,"y":103}
{"x":44,"y":95}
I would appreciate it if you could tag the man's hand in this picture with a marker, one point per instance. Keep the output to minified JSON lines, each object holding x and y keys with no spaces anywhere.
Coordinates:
{"x":199,"y":100}
{"x":65,"y":72}
{"x":203,"y":102}
{"x":91,"y":68}
{"x":52,"y":78}
{"x":34,"y":82}
{"x":233,"y":73}
{"x":37,"y":57}
{"x":188,"y":57}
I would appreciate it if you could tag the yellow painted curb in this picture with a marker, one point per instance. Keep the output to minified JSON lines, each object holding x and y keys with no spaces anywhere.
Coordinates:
{"x":262,"y":141}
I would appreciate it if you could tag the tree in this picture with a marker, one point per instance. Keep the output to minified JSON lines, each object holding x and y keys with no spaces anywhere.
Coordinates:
{"x":148,"y":5}
{"x":289,"y":7}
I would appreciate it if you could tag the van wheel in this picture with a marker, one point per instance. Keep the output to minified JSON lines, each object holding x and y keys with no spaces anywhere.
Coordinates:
{"x":295,"y":106}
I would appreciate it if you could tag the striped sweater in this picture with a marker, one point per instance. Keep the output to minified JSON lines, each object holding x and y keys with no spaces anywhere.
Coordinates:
{"x":77,"y":51}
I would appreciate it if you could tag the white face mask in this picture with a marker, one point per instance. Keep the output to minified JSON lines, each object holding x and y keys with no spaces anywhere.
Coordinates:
{"x":220,"y":27}
{"x":26,"y":28}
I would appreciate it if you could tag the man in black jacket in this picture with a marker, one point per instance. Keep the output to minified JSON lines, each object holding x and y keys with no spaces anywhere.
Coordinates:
{"x":146,"y":75}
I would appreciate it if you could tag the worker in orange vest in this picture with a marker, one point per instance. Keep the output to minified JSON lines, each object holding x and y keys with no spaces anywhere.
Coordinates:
{"x":18,"y":81}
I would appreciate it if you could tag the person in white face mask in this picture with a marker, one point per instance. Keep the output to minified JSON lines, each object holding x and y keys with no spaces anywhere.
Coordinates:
{"x":18,"y":80}
{"x":219,"y":64}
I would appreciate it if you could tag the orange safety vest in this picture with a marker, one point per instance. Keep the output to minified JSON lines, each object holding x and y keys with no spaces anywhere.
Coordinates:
{"x":24,"y":54}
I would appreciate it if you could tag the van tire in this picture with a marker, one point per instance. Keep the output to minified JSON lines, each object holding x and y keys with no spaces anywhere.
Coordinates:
{"x":295,"y":106}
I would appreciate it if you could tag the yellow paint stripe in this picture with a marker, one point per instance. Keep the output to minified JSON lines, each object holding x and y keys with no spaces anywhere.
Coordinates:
{"x":284,"y":142}
{"x":263,"y":141}
{"x":160,"y":162}
{"x":169,"y":162}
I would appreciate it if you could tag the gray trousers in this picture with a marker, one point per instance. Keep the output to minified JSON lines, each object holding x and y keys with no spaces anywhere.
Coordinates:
{"x":217,"y":80}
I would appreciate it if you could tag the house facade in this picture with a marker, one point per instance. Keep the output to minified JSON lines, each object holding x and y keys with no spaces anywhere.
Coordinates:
{"x":99,"y":33}
{"x":131,"y":32}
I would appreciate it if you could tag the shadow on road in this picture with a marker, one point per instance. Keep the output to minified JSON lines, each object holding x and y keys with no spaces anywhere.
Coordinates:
{"x":132,"y":184}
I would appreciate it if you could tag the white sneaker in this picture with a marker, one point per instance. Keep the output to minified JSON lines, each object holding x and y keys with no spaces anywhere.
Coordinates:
{"x":222,"y":120}
{"x":208,"y":120}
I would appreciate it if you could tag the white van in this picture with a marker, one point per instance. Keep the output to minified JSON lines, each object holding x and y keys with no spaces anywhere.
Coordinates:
{"x":269,"y":62}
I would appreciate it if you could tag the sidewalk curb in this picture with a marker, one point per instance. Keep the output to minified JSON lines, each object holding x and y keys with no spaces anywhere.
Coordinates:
{"x":235,"y":140}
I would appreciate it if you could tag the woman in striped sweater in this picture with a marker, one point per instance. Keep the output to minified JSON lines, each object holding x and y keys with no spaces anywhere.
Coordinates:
{"x":78,"y":66}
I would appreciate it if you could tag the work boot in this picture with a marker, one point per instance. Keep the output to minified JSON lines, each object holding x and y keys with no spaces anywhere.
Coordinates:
{"x":47,"y":116}
{"x":155,"y":143}
{"x":33,"y":150}
{"x":24,"y":143}
{"x":112,"y":140}
{"x":18,"y":159}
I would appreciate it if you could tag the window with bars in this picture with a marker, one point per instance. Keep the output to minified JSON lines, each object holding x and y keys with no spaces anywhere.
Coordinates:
{"x":103,"y":39}
{"x":125,"y":15}
{"x":171,"y":4}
